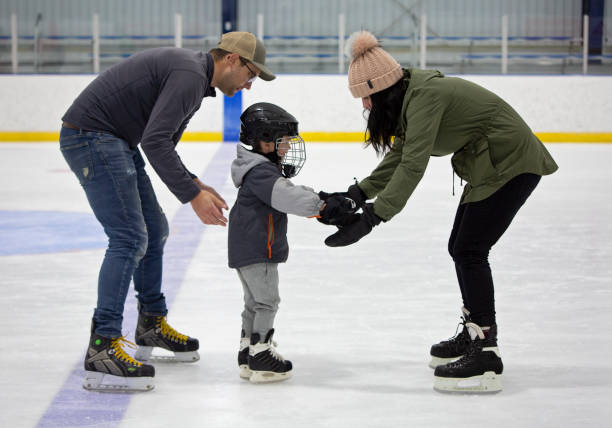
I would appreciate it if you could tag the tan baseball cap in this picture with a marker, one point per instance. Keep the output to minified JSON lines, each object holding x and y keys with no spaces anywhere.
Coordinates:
{"x":248,"y":47}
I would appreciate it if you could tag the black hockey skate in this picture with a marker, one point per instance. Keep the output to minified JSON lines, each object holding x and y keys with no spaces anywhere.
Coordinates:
{"x":153,"y":331}
{"x":453,"y":348}
{"x":265,"y":363}
{"x":243,"y":356}
{"x":479,"y":370}
{"x":109,"y":368}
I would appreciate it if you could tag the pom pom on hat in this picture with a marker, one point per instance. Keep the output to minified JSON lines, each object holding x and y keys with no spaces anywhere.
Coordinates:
{"x":372,"y":69}
{"x":360,"y":42}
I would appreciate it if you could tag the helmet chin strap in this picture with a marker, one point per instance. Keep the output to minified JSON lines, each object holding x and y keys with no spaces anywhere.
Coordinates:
{"x":273,"y":156}
{"x":288,"y":171}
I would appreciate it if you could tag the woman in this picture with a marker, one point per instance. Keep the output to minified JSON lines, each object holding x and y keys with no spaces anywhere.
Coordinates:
{"x":415,"y":114}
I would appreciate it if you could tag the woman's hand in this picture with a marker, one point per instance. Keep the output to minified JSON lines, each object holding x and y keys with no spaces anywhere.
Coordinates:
{"x":354,"y":192}
{"x":353,"y":232}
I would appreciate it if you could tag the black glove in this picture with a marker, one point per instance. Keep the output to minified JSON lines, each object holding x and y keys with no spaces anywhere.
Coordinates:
{"x":354,"y":192}
{"x":352,"y":233}
{"x":338,"y":210}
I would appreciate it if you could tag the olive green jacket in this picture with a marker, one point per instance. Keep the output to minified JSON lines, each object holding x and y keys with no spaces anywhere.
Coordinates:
{"x":442,"y":115}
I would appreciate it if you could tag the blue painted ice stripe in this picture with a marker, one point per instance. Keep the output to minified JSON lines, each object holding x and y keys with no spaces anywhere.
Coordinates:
{"x":74,"y":406}
{"x":38,"y":232}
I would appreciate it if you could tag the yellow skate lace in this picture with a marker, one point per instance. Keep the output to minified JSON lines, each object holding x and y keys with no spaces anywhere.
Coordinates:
{"x":169,"y":332}
{"x":120,"y":354}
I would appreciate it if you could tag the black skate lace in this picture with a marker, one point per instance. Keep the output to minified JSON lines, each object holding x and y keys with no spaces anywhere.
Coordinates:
{"x":474,"y":348}
{"x":460,"y":337}
{"x":120,"y":354}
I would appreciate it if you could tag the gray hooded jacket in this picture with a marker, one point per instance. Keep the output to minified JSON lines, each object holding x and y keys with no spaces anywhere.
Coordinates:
{"x":258,"y":219}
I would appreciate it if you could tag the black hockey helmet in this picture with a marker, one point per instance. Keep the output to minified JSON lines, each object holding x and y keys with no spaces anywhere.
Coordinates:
{"x":266,"y":122}
{"x":270,"y":123}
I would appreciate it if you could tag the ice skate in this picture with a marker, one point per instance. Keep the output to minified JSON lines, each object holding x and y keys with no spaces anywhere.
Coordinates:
{"x":453,"y":348}
{"x":479,"y":370}
{"x":265,"y":363}
{"x":153,"y":331}
{"x":109,"y":368}
{"x":243,"y":356}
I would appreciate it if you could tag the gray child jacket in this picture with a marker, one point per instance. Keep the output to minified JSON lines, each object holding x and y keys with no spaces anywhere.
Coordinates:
{"x":258,"y":220}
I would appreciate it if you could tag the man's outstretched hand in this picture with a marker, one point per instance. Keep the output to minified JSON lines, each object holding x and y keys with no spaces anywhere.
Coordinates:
{"x":209,"y":189}
{"x":208,"y":205}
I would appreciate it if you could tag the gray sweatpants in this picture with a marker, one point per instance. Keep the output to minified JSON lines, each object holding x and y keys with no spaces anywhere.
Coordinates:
{"x":261,"y":299}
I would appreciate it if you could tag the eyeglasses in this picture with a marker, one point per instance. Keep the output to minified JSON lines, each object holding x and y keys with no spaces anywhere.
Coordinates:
{"x":253,"y":74}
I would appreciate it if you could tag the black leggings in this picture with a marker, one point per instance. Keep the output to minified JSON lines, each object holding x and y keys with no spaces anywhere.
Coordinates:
{"x":477,"y":227}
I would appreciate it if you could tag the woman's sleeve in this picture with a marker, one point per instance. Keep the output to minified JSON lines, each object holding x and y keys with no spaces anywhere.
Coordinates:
{"x":424,"y":115}
{"x":378,"y":179}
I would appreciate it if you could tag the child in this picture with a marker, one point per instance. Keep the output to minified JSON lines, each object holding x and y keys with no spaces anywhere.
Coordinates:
{"x":257,"y":238}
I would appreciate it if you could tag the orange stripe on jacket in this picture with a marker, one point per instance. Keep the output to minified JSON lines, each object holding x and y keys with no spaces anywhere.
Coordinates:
{"x":270,"y":234}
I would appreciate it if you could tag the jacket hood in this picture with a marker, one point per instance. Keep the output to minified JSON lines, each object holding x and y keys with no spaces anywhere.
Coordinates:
{"x":418,"y":76}
{"x":244,"y":162}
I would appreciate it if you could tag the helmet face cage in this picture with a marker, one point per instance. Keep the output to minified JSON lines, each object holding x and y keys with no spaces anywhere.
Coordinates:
{"x":292,"y":153}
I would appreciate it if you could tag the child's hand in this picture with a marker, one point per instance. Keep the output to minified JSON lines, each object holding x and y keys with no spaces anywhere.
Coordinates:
{"x":354,"y":192}
{"x":338,"y":210}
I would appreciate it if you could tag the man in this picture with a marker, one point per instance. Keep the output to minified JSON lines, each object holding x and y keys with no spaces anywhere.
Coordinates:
{"x":147,"y":99}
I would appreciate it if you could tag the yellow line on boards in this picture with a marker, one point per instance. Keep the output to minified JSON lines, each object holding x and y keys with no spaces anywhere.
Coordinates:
{"x":28,"y":136}
{"x":38,"y":137}
{"x":575,"y":137}
{"x":310,"y":136}
{"x":334,"y":137}
{"x":202,"y":136}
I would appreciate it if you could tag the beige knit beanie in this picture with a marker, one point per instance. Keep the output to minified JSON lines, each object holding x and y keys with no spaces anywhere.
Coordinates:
{"x":372,"y":69}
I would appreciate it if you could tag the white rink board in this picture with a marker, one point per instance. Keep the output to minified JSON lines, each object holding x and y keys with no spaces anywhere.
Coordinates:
{"x":323,"y":102}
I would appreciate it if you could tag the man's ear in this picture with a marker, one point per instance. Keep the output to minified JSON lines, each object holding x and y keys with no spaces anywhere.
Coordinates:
{"x":232,"y":58}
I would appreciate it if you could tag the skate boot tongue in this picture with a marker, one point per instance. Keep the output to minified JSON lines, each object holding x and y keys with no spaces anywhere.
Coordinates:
{"x":269,"y":336}
{"x":475,"y":331}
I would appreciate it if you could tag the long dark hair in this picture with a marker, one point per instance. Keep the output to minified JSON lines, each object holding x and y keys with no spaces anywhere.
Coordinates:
{"x":385,"y":115}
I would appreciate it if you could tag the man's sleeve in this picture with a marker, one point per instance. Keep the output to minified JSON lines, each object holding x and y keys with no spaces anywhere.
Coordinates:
{"x":178,"y":100}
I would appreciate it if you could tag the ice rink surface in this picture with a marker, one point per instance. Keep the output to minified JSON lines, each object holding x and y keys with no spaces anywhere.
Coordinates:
{"x":357,"y":322}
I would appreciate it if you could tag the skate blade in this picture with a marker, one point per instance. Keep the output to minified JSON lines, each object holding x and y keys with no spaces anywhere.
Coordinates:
{"x":436,"y":361}
{"x":265,"y":377}
{"x":104,"y":382}
{"x":145,"y":353}
{"x":489,"y":382}
{"x":245,"y":372}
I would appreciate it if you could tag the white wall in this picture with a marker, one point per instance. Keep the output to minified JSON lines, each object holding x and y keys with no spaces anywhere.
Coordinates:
{"x":323,"y":102}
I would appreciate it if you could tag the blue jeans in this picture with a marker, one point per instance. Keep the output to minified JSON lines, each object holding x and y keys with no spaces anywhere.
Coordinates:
{"x":122,"y":199}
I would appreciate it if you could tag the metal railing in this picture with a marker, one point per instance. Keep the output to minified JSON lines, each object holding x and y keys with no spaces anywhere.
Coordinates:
{"x":311,"y":53}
